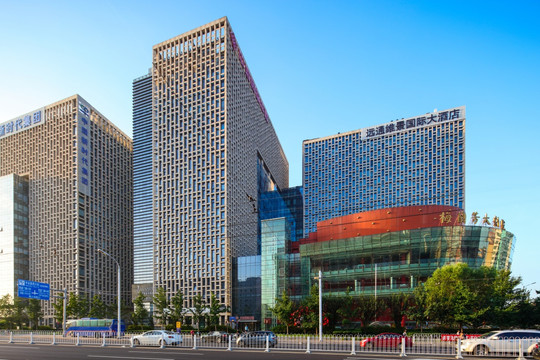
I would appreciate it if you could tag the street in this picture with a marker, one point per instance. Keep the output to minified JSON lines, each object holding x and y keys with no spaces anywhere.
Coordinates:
{"x":59,"y":352}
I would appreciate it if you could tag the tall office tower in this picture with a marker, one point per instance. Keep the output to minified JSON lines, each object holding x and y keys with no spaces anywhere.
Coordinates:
{"x":13,"y":232}
{"x":143,"y":269}
{"x":414,"y":161}
{"x":79,"y":171}
{"x":215,"y":152}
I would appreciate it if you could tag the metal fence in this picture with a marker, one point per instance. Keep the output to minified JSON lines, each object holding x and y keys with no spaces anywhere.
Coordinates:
{"x":417,"y":344}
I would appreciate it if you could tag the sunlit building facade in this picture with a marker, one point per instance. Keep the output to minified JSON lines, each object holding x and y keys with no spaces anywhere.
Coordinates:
{"x":78,"y":166}
{"x":214,"y":152}
{"x":413,"y":161}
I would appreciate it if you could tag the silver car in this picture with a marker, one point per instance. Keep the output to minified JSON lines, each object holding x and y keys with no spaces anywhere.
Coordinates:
{"x":257,"y":338}
{"x":158,"y":337}
{"x":502,"y":342}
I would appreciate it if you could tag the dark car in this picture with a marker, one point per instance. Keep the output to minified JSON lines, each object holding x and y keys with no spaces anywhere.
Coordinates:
{"x":257,"y":338}
{"x":215,"y":337}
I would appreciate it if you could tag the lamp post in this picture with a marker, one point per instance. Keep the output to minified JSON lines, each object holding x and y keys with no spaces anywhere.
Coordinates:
{"x":118,"y":294}
{"x":320,"y":304}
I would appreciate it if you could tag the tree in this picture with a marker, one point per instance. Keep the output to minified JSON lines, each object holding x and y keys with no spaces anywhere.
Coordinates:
{"x":198,"y":309}
{"x":458,"y":295}
{"x":177,"y":302}
{"x":215,"y":307}
{"x":6,"y":310}
{"x":161,"y":306}
{"x":283,"y":309}
{"x":417,"y":311}
{"x":368,"y":309}
{"x":98,"y":309}
{"x":140,"y":313}
{"x":58,"y":306}
{"x":349,"y":310}
{"x":77,"y":306}
{"x":19,"y":314}
{"x":34,"y":312}
{"x":398,"y":304}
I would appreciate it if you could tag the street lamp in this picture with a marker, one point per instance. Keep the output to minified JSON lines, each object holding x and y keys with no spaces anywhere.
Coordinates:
{"x":320,"y":303}
{"x":118,"y":295}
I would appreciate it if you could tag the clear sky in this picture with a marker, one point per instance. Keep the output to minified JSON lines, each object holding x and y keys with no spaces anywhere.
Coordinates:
{"x":321,"y":67}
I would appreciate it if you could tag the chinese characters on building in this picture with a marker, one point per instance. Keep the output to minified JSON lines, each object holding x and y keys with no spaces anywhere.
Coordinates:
{"x":84,"y":148}
{"x":419,"y":121}
{"x":446,"y":217}
{"x":22,"y":123}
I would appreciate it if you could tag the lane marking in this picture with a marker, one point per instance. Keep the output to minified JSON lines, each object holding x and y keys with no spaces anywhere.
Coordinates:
{"x":161,"y":353}
{"x":125,"y":357}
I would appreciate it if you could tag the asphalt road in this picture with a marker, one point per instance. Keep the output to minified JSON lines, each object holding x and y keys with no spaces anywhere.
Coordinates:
{"x":61,"y":352}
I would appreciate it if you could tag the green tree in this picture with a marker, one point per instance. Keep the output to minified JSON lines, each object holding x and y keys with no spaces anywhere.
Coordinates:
{"x":6,"y":310}
{"x":58,"y":306}
{"x":161,"y":306}
{"x":348,"y":310}
{"x":417,"y":310}
{"x":398,"y":304}
{"x":140,"y":313}
{"x":98,"y":309}
{"x":177,"y":307}
{"x":458,"y":295}
{"x":283,"y":309}
{"x":198,"y":309}
{"x":19,"y":314}
{"x":77,"y":306}
{"x":368,"y":308}
{"x":34,"y":312}
{"x":214,"y":309}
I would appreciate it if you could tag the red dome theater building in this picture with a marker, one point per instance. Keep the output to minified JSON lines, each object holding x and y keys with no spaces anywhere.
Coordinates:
{"x":392,"y":250}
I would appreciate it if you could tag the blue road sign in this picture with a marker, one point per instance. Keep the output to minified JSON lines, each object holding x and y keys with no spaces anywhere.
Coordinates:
{"x":33,"y":290}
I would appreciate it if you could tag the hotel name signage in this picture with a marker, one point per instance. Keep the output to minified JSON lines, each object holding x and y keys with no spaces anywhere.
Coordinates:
{"x":23,"y":122}
{"x":414,"y":122}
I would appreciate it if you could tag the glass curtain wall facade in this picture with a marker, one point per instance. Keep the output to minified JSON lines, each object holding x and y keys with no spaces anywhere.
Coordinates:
{"x":402,"y":258}
{"x":143,"y":267}
{"x":275,"y":236}
{"x":13,"y":233}
{"x":414,"y":161}
{"x":211,"y":133}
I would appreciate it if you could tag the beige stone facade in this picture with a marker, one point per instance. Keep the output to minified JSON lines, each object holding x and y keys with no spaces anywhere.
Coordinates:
{"x":79,"y":168}
{"x":215,"y":150}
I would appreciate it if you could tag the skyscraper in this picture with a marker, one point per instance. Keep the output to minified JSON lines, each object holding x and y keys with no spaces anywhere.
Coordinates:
{"x":78,"y":166}
{"x":414,"y":161}
{"x":214,"y":151}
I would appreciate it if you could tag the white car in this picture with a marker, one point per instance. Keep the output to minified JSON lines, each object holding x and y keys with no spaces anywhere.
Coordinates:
{"x":501,"y":342}
{"x":157,"y":337}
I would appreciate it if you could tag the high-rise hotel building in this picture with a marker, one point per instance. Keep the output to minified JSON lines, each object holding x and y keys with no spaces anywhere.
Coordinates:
{"x":414,"y":161}
{"x":77,"y":167}
{"x":214,"y":151}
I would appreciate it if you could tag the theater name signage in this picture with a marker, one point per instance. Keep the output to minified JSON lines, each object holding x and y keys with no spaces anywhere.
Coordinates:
{"x":433,"y":118}
{"x":446,"y":218}
{"x":23,"y":122}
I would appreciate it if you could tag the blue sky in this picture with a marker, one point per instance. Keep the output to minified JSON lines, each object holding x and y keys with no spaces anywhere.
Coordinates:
{"x":321,"y":67}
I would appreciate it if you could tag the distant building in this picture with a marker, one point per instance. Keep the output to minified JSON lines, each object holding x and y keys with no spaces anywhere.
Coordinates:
{"x":413,"y":161}
{"x":214,"y":151}
{"x":78,"y":166}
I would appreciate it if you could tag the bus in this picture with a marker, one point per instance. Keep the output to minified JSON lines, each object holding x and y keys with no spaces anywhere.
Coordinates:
{"x":94,"y":327}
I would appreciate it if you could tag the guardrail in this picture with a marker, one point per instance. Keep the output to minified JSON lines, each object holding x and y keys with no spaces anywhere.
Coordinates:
{"x":417,"y":344}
